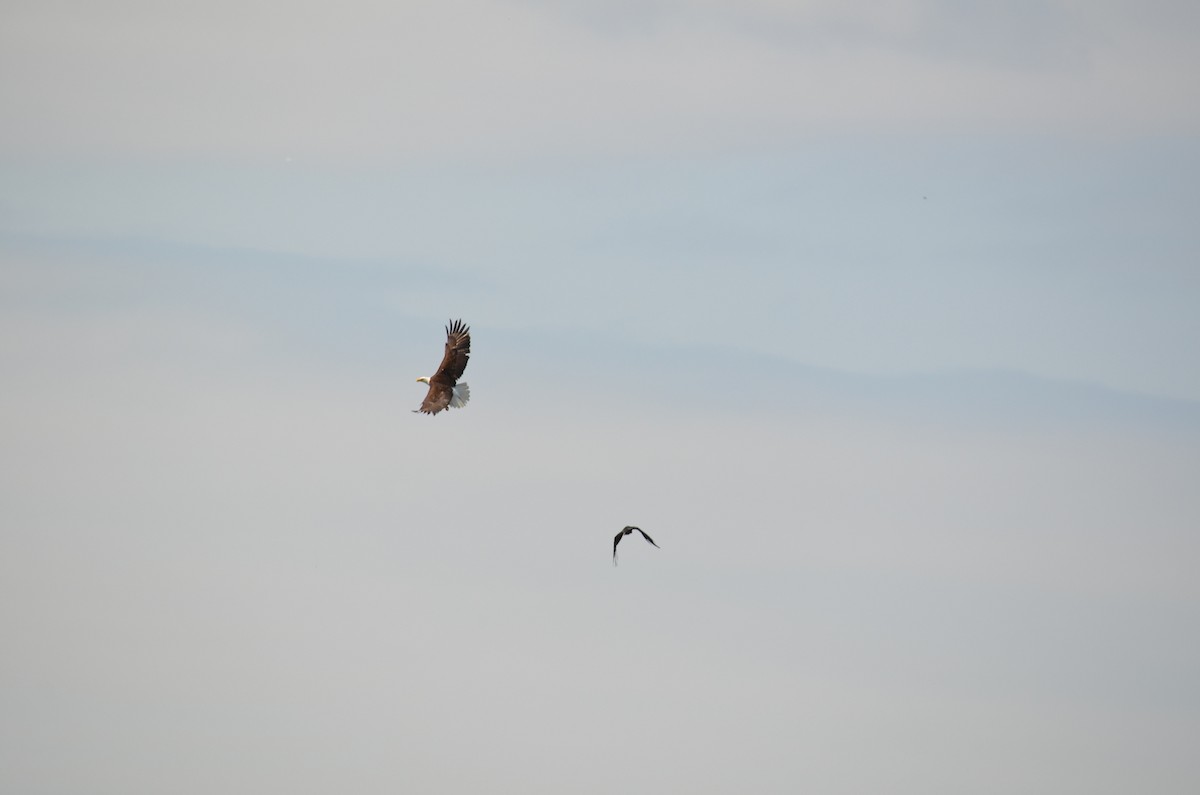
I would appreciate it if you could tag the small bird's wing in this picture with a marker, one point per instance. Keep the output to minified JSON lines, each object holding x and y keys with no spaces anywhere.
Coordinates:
{"x":648,"y":538}
{"x":458,"y":351}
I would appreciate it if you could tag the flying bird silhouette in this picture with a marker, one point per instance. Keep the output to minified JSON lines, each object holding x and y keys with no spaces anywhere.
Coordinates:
{"x":626,"y":531}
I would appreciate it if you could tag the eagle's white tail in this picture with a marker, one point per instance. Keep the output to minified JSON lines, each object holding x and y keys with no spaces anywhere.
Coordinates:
{"x":459,"y":395}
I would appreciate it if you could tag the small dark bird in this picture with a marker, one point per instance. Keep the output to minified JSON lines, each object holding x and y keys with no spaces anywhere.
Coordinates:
{"x":444,"y":389}
{"x":629,"y":529}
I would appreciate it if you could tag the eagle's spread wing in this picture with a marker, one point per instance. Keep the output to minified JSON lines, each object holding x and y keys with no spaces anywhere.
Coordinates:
{"x":458,"y":350}
{"x":616,"y":541}
{"x":648,"y":538}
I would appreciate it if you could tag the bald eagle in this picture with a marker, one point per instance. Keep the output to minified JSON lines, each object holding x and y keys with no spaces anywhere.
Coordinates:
{"x":444,"y":389}
{"x":626,"y":531}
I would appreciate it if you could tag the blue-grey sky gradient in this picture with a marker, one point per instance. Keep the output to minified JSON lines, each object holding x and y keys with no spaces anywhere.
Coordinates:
{"x":880,"y":318}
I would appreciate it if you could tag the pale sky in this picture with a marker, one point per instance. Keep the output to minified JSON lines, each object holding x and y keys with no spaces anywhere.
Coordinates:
{"x":880,"y":318}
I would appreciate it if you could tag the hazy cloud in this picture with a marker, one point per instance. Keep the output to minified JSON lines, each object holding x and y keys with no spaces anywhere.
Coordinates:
{"x":404,"y":82}
{"x":879,"y":317}
{"x":220,"y":562}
